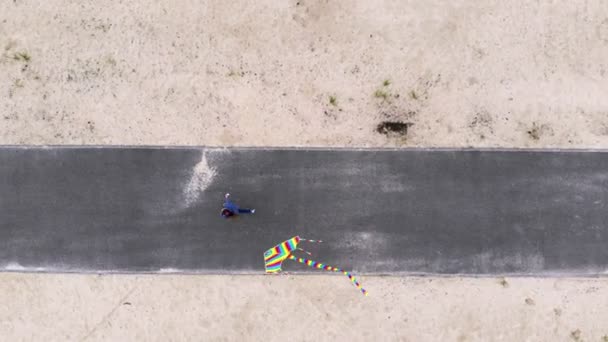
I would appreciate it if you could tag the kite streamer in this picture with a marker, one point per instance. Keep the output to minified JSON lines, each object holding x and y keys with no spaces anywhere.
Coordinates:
{"x":274,"y":257}
{"x":319,"y":265}
{"x":310,"y":240}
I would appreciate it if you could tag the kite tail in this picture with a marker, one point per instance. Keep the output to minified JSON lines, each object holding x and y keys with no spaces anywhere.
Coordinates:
{"x":319,"y":265}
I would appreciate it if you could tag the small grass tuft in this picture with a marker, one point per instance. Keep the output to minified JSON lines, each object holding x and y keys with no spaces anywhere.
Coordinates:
{"x":111,"y":61}
{"x":503,"y":282}
{"x":381,"y":94}
{"x":413,"y":95}
{"x":333,"y":100}
{"x":233,"y":73}
{"x":22,"y":56}
{"x":535,"y":132}
{"x":386,"y":83}
{"x":576,"y":335}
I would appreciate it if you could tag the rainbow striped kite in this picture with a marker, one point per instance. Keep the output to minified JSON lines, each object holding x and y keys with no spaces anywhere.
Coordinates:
{"x":274,"y":257}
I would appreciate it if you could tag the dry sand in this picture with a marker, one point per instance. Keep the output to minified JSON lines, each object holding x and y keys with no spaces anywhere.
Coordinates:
{"x":501,"y":73}
{"x":302,"y":308}
{"x":305,"y":73}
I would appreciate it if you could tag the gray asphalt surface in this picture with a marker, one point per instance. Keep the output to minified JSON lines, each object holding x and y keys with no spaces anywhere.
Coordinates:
{"x":379,"y":212}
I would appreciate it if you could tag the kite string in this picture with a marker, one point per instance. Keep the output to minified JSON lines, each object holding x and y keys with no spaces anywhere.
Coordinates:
{"x":314,"y":241}
{"x":314,"y":264}
{"x":307,"y":252}
{"x":307,"y":240}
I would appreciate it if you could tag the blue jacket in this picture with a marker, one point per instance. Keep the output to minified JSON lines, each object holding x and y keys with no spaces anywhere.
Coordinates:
{"x":231,"y":206}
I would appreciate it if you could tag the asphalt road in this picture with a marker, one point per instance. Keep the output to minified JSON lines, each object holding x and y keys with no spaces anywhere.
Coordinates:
{"x":378,"y":211}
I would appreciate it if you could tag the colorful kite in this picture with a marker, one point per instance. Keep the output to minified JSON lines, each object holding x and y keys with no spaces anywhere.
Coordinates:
{"x":274,"y":257}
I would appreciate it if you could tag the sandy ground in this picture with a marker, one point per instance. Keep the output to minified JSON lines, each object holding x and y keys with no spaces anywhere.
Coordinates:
{"x":304,"y":73}
{"x":505,"y":73}
{"x":303,"y":308}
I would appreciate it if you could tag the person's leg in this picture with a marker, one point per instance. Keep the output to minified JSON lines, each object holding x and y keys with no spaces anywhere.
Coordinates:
{"x":246,"y":211}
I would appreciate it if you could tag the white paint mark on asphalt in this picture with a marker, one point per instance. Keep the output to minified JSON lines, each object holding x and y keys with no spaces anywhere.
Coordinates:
{"x":202,"y":176}
{"x":13,"y":266}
